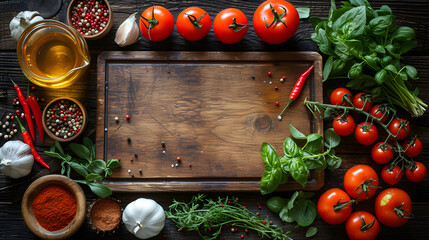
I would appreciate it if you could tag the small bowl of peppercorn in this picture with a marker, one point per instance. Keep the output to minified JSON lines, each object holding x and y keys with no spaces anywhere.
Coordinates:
{"x":64,"y":119}
{"x":93,"y":19}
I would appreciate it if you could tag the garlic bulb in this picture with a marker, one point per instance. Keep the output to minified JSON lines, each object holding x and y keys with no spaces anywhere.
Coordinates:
{"x":21,"y":21}
{"x":16,"y":159}
{"x":144,"y":218}
{"x":128,"y":32}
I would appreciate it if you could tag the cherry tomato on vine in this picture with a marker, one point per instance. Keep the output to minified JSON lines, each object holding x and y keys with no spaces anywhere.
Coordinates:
{"x":393,"y":176}
{"x":379,"y":112}
{"x":366,"y":133}
{"x":343,"y":125}
{"x":382,"y":153}
{"x":361,"y":182}
{"x":418,"y":174}
{"x":393,"y":207}
{"x":334,"y":206}
{"x":399,"y":126}
{"x":337,"y":97}
{"x":193,"y":23}
{"x":362,"y":225}
{"x":414,"y":147}
{"x":275,"y":21}
{"x":156,"y":23}
{"x":230,"y":26}
{"x":362,"y":98}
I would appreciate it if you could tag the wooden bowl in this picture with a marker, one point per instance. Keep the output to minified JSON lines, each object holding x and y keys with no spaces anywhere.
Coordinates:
{"x":84,"y":114}
{"x":35,"y":188}
{"x":99,"y":35}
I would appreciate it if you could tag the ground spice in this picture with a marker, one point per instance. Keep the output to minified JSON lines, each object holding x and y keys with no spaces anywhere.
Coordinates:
{"x":54,"y":207}
{"x":106,"y":214}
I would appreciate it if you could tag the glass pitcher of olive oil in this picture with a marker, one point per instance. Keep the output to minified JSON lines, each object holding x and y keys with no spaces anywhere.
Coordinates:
{"x":52,"y":54}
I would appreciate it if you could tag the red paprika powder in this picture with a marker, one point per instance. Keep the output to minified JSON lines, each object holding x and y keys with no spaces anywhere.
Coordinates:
{"x":54,"y":207}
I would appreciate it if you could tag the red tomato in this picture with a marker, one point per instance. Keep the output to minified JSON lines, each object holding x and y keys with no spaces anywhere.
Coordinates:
{"x":156,"y":23}
{"x":337,"y":97}
{"x":343,"y":126}
{"x":418,"y":174}
{"x":275,"y":21}
{"x":379,"y":111}
{"x":230,"y":26}
{"x":193,"y":23}
{"x":390,"y":204}
{"x":366,"y":133}
{"x":382,"y":153}
{"x":391,"y":177}
{"x":414,"y":147}
{"x":399,"y":128}
{"x":362,"y":225}
{"x":361,"y":182}
{"x":334,"y":206}
{"x":362,"y":98}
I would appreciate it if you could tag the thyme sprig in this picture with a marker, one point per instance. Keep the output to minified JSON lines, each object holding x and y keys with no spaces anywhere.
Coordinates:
{"x":207,"y":217}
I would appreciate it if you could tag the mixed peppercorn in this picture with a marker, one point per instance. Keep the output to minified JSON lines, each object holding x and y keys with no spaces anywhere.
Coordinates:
{"x":90,"y":17}
{"x":64,"y":118}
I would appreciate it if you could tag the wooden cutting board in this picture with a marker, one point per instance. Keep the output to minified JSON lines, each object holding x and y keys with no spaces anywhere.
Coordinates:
{"x":211,"y":109}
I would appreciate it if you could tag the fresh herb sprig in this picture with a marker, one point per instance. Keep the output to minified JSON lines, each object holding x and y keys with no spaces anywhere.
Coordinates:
{"x":299,"y":208}
{"x":208,"y":217}
{"x":321,"y":110}
{"x":298,"y":161}
{"x":85,"y":164}
{"x":365,"y":45}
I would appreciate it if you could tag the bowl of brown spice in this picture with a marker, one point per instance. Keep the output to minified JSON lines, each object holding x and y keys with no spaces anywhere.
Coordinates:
{"x":105,"y":214}
{"x":54,"y":207}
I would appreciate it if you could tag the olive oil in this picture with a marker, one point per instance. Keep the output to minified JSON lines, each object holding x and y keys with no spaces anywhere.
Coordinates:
{"x":53,"y":55}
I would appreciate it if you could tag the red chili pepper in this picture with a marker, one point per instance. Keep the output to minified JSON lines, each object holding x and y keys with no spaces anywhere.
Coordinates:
{"x":27,"y":139}
{"x":297,"y":88}
{"x":37,"y":113}
{"x":25,"y":107}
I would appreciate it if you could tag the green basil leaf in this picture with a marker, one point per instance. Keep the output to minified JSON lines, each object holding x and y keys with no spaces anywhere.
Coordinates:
{"x":380,"y":76}
{"x":284,"y":215}
{"x":113,"y":163}
{"x":411,"y":72}
{"x":304,"y":212}
{"x":88,"y":143}
{"x":296,"y":195}
{"x":55,"y":155}
{"x":391,"y":68}
{"x":52,"y":148}
{"x":315,"y":21}
{"x":351,"y":23}
{"x":379,"y":26}
{"x":393,"y":50}
{"x":358,"y":3}
{"x":332,"y":9}
{"x":275,"y":204}
{"x":68,"y":170}
{"x":108,"y":172}
{"x":311,"y":231}
{"x":269,"y":156}
{"x":314,"y":147}
{"x":270,"y":180}
{"x":338,"y":67}
{"x":355,"y":71}
{"x":333,"y":161}
{"x":372,"y":61}
{"x":81,"y":170}
{"x":296,"y":133}
{"x":318,"y":163}
{"x":380,"y":49}
{"x":291,"y":149}
{"x":407,"y":46}
{"x":92,"y":177}
{"x":303,"y":12}
{"x":100,"y":190}
{"x":81,"y":151}
{"x":403,"y":34}
{"x":332,"y":139}
{"x":97,"y":166}
{"x":327,"y":68}
{"x":63,"y":167}
{"x":298,"y":170}
{"x":59,"y":148}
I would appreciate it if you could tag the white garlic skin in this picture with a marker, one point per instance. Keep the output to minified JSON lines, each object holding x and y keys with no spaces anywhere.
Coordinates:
{"x":21,"y":21}
{"x":128,"y":32}
{"x":16,"y":159}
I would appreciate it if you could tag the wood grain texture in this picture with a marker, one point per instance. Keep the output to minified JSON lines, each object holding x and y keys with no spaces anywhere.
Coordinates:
{"x":213,"y":109}
{"x":411,"y":13}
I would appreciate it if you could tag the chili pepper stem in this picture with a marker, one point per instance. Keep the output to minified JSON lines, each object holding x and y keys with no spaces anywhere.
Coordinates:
{"x":287,"y":105}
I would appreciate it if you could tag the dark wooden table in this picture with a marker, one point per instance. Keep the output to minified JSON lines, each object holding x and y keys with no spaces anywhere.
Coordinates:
{"x":409,"y":13}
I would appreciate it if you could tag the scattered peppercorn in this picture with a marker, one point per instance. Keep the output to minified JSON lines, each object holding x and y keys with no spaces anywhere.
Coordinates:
{"x":277,"y":103}
{"x":33,"y":87}
{"x":116,"y":119}
{"x":269,"y":74}
{"x":127,"y":117}
{"x":135,"y":155}
{"x":178,"y":159}
{"x":128,"y":140}
{"x":276,"y":88}
{"x":163,"y":144}
{"x":242,"y":236}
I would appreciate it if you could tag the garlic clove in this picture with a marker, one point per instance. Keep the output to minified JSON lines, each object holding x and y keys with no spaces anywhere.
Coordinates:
{"x":21,"y":21}
{"x":128,"y":31}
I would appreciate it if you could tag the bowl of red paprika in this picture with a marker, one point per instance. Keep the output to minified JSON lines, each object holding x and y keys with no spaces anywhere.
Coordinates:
{"x":54,"y":207}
